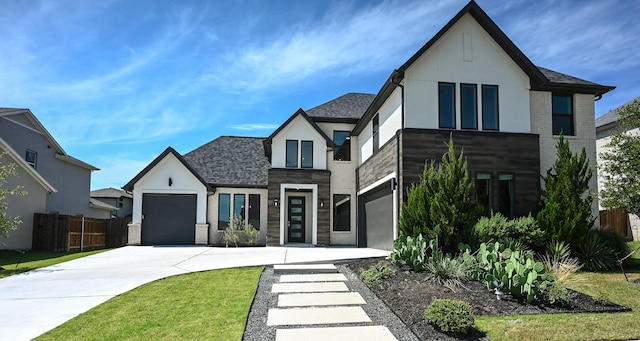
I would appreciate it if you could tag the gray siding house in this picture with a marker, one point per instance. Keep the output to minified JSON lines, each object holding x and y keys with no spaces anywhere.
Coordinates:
{"x":338,"y":173}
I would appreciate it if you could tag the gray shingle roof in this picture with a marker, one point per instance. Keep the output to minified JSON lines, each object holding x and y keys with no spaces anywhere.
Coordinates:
{"x":613,"y":115}
{"x":561,"y":78}
{"x":231,"y":161}
{"x":348,"y":106}
{"x":110,"y":193}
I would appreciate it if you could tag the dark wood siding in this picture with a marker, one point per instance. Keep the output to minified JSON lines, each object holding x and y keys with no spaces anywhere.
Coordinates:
{"x":379,"y":165}
{"x":491,"y":152}
{"x":278,"y":176}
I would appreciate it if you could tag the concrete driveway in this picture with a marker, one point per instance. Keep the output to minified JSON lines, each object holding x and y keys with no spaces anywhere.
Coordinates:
{"x":37,"y":301}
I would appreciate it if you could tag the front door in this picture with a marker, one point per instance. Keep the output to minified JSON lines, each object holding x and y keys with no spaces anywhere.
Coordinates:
{"x":295,"y":218}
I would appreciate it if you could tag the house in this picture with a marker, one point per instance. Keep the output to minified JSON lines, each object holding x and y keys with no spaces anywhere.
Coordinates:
{"x":120,"y":202}
{"x":66,"y":179}
{"x":337,"y":174}
{"x":607,"y":125}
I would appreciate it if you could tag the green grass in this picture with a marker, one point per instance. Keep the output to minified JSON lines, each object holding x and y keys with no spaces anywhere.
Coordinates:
{"x":15,"y":262}
{"x":589,"y":326}
{"x":211,"y":305}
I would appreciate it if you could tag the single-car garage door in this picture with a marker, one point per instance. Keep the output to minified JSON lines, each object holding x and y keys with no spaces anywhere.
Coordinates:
{"x":169,"y":219}
{"x":376,"y":214}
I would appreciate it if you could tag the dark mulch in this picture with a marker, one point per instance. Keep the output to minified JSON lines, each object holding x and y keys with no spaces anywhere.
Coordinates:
{"x":407,"y":294}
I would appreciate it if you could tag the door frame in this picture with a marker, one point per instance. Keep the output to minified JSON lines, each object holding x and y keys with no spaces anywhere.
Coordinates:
{"x":302,"y":238}
{"x":313,"y":212}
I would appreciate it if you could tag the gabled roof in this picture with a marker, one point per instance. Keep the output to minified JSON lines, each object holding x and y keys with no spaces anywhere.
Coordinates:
{"x":95,"y":203}
{"x":347,"y":108}
{"x":6,"y":148}
{"x":60,"y":153}
{"x":540,"y":78}
{"x":169,"y":150}
{"x":110,"y":193}
{"x":303,"y":114}
{"x":610,"y":119}
{"x":231,"y":161}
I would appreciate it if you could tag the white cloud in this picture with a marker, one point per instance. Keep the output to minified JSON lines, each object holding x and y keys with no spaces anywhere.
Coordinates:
{"x":254,"y":126}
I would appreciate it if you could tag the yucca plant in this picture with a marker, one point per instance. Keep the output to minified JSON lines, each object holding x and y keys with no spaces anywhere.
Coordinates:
{"x":558,"y":262}
{"x":595,"y":253}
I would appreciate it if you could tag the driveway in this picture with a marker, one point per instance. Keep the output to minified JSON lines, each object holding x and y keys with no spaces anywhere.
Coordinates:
{"x":37,"y":301}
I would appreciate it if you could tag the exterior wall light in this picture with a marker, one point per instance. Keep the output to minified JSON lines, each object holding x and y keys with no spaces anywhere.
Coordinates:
{"x":275,"y":202}
{"x":170,"y":182}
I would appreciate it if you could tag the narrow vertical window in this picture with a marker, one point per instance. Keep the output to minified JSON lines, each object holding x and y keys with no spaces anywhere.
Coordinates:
{"x":238,"y":206}
{"x":224,"y":210}
{"x":292,"y":153}
{"x":376,"y":137}
{"x":484,"y":193}
{"x":32,"y":158}
{"x":341,"y":212}
{"x":506,"y":190}
{"x":342,"y":142}
{"x":562,"y":114}
{"x":254,"y":210}
{"x":306,"y":154}
{"x":447,"y":105}
{"x":469,"y":106}
{"x":490,"y":107}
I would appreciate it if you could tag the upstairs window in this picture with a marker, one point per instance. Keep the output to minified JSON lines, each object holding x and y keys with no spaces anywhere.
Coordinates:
{"x":469,"y":106}
{"x":490,"y":107}
{"x":562,"y":114}
{"x":342,"y":149}
{"x":307,"y":154}
{"x":447,"y":105}
{"x":292,"y":154}
{"x":376,"y":137}
{"x":32,"y":158}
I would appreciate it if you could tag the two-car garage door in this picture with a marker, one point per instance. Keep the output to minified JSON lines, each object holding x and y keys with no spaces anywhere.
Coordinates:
{"x":169,"y":219}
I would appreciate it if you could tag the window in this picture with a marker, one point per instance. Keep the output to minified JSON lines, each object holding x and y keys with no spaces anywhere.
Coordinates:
{"x":254,"y":210}
{"x":447,"y":105}
{"x":490,"y":107}
{"x":238,"y":205}
{"x":484,"y":192}
{"x":562,"y":114}
{"x":307,"y":154}
{"x":342,"y":149}
{"x":224,"y":210}
{"x":341,"y":212}
{"x":469,"y":106}
{"x":31,"y":158}
{"x":505,"y":195}
{"x":376,"y":137}
{"x":292,"y":153}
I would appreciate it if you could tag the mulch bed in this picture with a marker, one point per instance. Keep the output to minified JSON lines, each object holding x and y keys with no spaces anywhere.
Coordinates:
{"x":407,"y":294}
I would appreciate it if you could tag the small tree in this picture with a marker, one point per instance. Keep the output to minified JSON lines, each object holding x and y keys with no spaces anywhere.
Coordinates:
{"x":622,"y":163}
{"x":564,"y":208}
{"x":7,"y":224}
{"x":440,"y":206}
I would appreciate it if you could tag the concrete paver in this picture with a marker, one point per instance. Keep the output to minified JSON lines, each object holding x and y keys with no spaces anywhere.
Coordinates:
{"x":355,"y":333}
{"x":309,"y":316}
{"x":320,"y":299}
{"x":308,"y":287}
{"x":304,"y":268}
{"x":313,"y":278}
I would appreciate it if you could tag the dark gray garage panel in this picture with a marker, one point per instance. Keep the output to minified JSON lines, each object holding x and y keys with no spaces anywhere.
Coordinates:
{"x":169,"y":219}
{"x":376,"y":218}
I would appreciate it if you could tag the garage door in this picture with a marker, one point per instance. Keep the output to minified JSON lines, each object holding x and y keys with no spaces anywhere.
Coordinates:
{"x":168,"y":219}
{"x":376,"y":218}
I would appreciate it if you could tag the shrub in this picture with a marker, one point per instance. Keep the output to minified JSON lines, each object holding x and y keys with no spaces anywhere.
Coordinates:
{"x":557,"y":294}
{"x":450,"y":315}
{"x":445,"y":269}
{"x":558,"y":262}
{"x":239,"y":233}
{"x":595,"y":252}
{"x":524,"y":230}
{"x":375,"y":274}
{"x":410,"y":251}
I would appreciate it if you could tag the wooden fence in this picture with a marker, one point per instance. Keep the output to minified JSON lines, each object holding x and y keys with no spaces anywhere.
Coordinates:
{"x":615,"y":219}
{"x":54,"y":232}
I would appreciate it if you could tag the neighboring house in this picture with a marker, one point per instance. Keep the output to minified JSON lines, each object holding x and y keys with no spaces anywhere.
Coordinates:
{"x":337,"y":174}
{"x":69,"y":177}
{"x":120,"y":202}
{"x":607,"y":125}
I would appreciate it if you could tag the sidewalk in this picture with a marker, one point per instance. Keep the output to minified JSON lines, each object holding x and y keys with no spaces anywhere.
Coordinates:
{"x":37,"y":301}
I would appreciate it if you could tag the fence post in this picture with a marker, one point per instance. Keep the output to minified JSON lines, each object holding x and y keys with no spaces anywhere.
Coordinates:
{"x":82,"y":235}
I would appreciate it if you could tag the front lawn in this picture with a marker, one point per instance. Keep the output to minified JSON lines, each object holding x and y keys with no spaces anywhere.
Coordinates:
{"x":211,"y":305}
{"x":15,"y":262}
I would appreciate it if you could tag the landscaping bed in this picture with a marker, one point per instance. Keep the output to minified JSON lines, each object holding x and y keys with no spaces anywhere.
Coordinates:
{"x":407,"y":294}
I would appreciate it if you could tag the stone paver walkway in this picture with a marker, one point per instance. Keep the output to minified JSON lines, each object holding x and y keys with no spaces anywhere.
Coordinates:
{"x":314,"y":303}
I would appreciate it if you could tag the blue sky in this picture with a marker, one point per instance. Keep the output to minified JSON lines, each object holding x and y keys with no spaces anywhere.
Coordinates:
{"x":116,"y":82}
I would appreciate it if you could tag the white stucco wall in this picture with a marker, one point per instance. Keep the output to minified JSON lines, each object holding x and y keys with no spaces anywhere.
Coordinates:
{"x":584,"y":117}
{"x":300,"y":130}
{"x":389,"y":121}
{"x":215,"y":235}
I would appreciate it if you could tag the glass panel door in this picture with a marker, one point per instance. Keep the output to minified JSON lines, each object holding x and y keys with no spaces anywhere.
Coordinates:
{"x":295,"y":219}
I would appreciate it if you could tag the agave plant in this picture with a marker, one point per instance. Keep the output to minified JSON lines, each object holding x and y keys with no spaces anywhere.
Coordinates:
{"x":558,"y":262}
{"x":595,"y":253}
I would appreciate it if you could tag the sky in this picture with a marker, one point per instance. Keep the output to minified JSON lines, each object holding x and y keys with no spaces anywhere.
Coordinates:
{"x":116,"y":81}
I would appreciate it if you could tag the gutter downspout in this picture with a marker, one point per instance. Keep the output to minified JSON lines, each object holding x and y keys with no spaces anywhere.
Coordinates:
{"x":396,"y":78}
